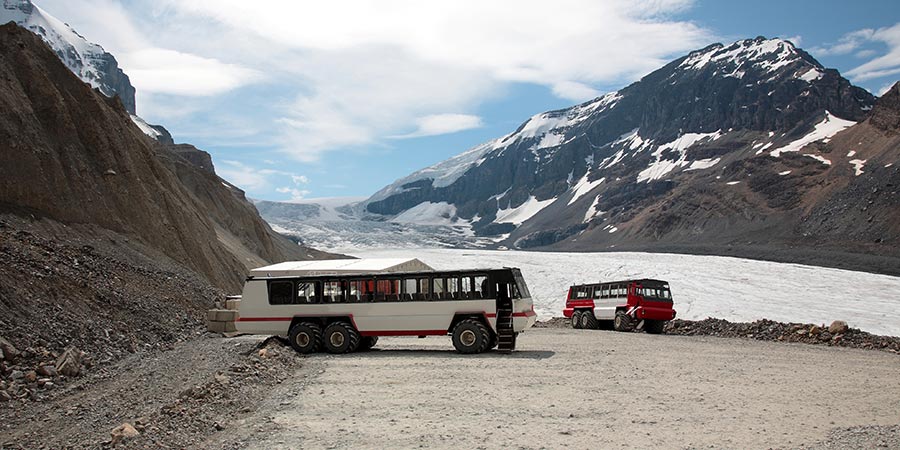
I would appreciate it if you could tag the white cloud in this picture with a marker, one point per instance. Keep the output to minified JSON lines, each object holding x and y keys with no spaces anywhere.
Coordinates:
{"x":436,"y":124}
{"x":885,"y":65}
{"x":369,"y":70}
{"x":246,"y":176}
{"x":296,"y":194}
{"x":163,"y":71}
{"x":846,"y":44}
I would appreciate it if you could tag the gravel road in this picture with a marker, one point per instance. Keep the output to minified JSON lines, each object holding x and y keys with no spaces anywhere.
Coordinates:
{"x":583,"y":389}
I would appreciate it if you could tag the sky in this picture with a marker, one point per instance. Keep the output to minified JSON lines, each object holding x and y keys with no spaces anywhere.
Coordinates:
{"x":300,"y":100}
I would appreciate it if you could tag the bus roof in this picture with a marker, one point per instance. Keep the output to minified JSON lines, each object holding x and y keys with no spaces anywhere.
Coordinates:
{"x":341,"y":266}
{"x":633,"y":280}
{"x":416,"y":273}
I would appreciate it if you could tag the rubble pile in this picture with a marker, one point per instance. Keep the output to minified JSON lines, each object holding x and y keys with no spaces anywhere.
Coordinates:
{"x":838,"y":333}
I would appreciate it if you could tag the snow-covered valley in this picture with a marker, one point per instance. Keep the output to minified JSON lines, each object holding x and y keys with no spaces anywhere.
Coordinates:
{"x":703,"y":286}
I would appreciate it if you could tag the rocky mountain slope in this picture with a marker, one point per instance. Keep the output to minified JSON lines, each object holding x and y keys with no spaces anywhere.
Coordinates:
{"x":731,"y":149}
{"x":75,"y":156}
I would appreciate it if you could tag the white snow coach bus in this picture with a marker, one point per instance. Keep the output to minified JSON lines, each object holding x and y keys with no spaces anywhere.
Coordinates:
{"x":343,"y":312}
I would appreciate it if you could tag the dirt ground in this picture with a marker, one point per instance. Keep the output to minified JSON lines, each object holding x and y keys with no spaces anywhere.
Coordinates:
{"x":582,"y":389}
{"x":564,"y":388}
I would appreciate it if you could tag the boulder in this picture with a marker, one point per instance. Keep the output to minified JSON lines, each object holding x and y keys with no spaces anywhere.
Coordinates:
{"x":7,"y":350}
{"x":123,"y":433}
{"x":47,"y":371}
{"x":69,"y":363}
{"x":838,"y":327}
{"x":31,"y":376}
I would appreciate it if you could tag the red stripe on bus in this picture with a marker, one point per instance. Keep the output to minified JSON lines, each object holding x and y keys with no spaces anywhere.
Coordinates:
{"x":264,"y":319}
{"x":403,"y":333}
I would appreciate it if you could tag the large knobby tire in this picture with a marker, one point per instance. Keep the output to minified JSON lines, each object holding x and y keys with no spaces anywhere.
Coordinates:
{"x":622,"y":322}
{"x":368,"y":342}
{"x":576,"y":320}
{"x":471,"y":336}
{"x":495,"y":340}
{"x":305,"y":337}
{"x":340,"y":337}
{"x":589,"y":321}
{"x":655,"y":326}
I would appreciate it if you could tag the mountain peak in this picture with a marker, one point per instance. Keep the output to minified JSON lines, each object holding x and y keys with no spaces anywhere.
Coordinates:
{"x":764,"y":55}
{"x":87,"y":60}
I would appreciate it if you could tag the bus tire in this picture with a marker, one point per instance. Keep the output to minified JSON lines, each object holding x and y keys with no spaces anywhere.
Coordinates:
{"x":340,"y":337}
{"x":367,"y":342}
{"x":655,"y":326}
{"x":576,"y":320}
{"x":622,"y":322}
{"x":471,"y":336}
{"x":305,"y":337}
{"x":495,"y":340}
{"x":589,"y":321}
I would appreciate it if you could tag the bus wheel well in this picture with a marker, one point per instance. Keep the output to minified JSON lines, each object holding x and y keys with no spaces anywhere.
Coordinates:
{"x":477,"y":316}
{"x":322,"y":321}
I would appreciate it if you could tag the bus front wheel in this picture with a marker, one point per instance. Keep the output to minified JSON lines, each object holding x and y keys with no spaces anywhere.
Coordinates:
{"x":340,"y":337}
{"x":471,"y":336}
{"x":655,"y":326}
{"x":306,"y":337}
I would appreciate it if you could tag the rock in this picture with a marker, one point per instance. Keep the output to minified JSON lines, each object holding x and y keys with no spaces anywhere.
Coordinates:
{"x":222,"y":379}
{"x":47,"y":371}
{"x":838,"y":327}
{"x":4,"y":396}
{"x":69,"y":363}
{"x":263,"y":352}
{"x":31,"y":376}
{"x":814,"y":330}
{"x":41,"y":382}
{"x":17,"y":375}
{"x":123,"y":433}
{"x":7,"y":350}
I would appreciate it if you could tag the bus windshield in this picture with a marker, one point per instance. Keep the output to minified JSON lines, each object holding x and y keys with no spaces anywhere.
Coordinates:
{"x":659,"y":293}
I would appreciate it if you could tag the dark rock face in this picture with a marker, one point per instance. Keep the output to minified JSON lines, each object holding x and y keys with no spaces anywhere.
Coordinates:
{"x":87,"y":60}
{"x":725,"y":147}
{"x":886,"y":115}
{"x":74,"y":156}
{"x":199,"y":158}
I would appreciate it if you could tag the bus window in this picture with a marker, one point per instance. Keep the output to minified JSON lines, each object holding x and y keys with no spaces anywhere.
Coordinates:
{"x":452,"y":286}
{"x":306,"y":292}
{"x":481,"y":287}
{"x":424,"y":289}
{"x":597,"y":292}
{"x":465,"y":288}
{"x":410,"y":289}
{"x":333,"y":291}
{"x":359,"y":291}
{"x":605,"y":293}
{"x":387,"y":290}
{"x":440,"y":289}
{"x":281,"y":293}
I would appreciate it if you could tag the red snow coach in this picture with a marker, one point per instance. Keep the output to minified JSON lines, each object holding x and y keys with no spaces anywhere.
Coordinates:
{"x":621,"y":305}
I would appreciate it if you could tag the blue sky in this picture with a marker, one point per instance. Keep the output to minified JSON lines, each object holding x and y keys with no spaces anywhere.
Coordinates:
{"x":334,"y":99}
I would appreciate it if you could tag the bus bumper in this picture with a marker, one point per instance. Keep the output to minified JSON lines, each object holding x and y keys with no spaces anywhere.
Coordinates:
{"x":644,"y":312}
{"x":567,"y":312}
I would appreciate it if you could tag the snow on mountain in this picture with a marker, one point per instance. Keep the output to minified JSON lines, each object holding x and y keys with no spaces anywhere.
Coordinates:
{"x":702,"y":286}
{"x":823,"y":131}
{"x":768,"y":55}
{"x":87,"y":60}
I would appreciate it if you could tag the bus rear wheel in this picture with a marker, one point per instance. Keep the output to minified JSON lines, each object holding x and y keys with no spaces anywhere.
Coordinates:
{"x":305,"y":337}
{"x":655,"y":326}
{"x":576,"y":320}
{"x":622,"y":322}
{"x":471,"y":336}
{"x":340,"y":337}
{"x":588,"y":321}
{"x":368,"y":342}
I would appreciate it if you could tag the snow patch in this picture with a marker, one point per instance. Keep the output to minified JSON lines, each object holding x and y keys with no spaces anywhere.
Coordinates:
{"x":523,"y":212}
{"x":732,"y":183}
{"x":828,"y":127}
{"x":583,"y":187}
{"x":145,"y":127}
{"x":786,"y":172}
{"x":858,"y":165}
{"x":851,"y":153}
{"x":703,"y":164}
{"x":659,"y":168}
{"x":820,"y":159}
{"x":427,"y":213}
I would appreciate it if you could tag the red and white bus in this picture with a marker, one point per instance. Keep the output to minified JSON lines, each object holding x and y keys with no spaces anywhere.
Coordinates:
{"x":340,"y":313}
{"x":621,"y":305}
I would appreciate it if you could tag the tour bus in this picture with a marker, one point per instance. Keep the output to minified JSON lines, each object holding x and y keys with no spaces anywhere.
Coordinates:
{"x":621,"y":305}
{"x":340,"y":313}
